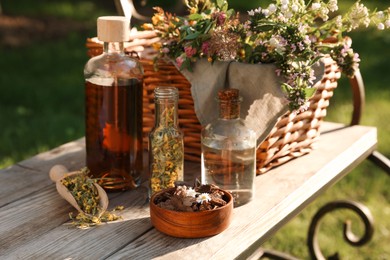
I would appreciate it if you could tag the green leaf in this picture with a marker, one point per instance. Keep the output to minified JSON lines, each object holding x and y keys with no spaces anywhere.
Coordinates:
{"x":208,"y":27}
{"x":248,"y":51}
{"x":220,"y":3}
{"x":264,"y":27}
{"x":315,"y":60}
{"x":192,"y":36}
{"x":195,"y":17}
{"x":310,"y":92}
{"x":230,"y":12}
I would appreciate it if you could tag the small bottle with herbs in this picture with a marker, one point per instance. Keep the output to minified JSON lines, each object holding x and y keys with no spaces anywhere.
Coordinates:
{"x":166,"y":146}
{"x":113,"y":109}
{"x":229,"y":150}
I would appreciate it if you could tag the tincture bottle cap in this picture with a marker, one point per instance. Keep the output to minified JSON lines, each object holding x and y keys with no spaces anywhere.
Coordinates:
{"x":113,"y":28}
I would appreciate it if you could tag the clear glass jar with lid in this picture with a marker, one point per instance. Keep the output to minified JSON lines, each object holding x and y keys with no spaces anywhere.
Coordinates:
{"x":229,"y":150}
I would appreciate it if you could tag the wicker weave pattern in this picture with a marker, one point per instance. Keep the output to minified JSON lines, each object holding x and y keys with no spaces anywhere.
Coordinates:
{"x":292,"y":136}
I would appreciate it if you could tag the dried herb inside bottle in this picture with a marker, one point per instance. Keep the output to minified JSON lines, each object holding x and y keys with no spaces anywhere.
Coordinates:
{"x":166,"y":142}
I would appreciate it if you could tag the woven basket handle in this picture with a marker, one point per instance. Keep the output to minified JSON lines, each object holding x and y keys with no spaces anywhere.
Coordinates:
{"x":358,"y":93}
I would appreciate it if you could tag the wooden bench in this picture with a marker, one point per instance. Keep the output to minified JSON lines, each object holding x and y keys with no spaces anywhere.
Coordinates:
{"x":35,"y":220}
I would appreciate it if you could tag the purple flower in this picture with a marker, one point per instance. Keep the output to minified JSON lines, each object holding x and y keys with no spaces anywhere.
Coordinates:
{"x":205,"y":47}
{"x":220,"y":17}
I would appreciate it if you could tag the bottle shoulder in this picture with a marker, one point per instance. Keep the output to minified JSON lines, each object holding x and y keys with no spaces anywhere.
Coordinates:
{"x":223,"y":125}
{"x":113,"y":65}
{"x":160,"y":131}
{"x":229,"y":130}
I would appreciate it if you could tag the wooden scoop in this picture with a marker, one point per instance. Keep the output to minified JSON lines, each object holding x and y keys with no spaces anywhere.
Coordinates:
{"x":58,"y":172}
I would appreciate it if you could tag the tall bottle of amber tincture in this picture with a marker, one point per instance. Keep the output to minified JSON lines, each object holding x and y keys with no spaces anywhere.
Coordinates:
{"x":229,"y":150}
{"x":166,"y":147}
{"x":113,"y":90}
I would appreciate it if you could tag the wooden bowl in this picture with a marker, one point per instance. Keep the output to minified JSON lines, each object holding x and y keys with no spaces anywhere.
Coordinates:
{"x":191,"y":224}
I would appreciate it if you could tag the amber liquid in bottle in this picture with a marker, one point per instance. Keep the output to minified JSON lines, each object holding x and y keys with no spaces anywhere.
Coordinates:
{"x":114,"y":133}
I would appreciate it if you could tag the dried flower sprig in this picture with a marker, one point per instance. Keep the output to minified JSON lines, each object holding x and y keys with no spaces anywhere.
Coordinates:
{"x":87,"y":197}
{"x":292,"y":34}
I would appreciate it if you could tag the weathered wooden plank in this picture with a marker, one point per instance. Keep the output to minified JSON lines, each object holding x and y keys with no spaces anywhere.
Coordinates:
{"x":31,"y":175}
{"x":38,"y":227}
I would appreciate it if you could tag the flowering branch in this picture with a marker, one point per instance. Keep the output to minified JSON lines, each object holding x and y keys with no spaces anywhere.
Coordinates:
{"x":289,"y":33}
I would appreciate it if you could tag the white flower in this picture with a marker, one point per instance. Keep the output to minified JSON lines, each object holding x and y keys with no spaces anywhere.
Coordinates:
{"x":324,"y":14}
{"x":294,"y":8}
{"x":359,"y":15}
{"x":381,"y":26}
{"x":380,"y":15}
{"x":191,"y":193}
{"x":332,"y":5}
{"x":316,"y":6}
{"x":272,"y":8}
{"x":203,"y":197}
{"x":285,"y":2}
{"x":277,"y":44}
{"x":387,"y":23}
{"x":288,"y":15}
{"x":265,"y":12}
{"x":339,"y":21}
{"x":284,"y":8}
{"x":273,"y":42}
{"x":251,"y":13}
{"x":307,"y":40}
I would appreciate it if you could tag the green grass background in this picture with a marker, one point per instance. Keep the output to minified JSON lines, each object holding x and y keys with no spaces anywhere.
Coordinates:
{"x":41,"y":107}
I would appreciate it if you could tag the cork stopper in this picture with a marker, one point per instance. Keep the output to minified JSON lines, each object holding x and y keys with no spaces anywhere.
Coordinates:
{"x":230,"y":94}
{"x":229,"y":103}
{"x":113,"y":28}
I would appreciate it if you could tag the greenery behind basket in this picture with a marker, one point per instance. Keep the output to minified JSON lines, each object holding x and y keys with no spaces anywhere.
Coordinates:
{"x":42,"y":104}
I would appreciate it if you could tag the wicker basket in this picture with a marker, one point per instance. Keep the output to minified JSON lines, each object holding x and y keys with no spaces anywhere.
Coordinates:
{"x":292,"y":136}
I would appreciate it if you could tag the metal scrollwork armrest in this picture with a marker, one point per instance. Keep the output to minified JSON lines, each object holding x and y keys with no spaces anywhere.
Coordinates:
{"x":362,"y":211}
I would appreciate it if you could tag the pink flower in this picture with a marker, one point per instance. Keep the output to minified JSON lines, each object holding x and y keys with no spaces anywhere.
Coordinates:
{"x":179,"y":61}
{"x":189,"y":51}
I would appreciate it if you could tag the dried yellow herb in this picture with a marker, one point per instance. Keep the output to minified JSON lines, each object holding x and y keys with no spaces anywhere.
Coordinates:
{"x":87,"y":197}
{"x":166,"y":153}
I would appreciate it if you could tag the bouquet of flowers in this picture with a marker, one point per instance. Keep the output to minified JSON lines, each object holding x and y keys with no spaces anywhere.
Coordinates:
{"x":292,"y":34}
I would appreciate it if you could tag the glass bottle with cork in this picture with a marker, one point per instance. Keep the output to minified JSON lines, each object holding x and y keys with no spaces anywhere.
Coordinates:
{"x":113,"y":109}
{"x":166,"y":146}
{"x":229,"y":150}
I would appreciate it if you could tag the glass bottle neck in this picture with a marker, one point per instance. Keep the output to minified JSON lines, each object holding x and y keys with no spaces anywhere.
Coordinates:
{"x":113,"y":47}
{"x":166,"y":112}
{"x":229,"y":109}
